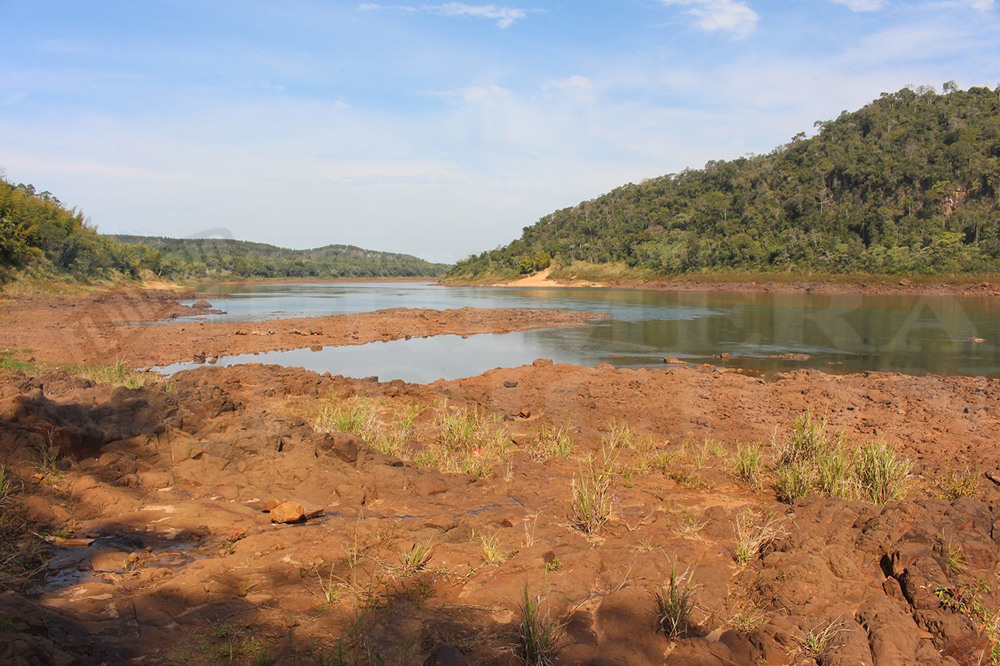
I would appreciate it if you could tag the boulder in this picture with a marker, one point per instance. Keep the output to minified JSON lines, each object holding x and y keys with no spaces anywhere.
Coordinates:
{"x":342,"y":445}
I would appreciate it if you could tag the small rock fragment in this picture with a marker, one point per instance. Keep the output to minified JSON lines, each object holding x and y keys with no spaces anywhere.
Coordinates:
{"x":288,"y":512}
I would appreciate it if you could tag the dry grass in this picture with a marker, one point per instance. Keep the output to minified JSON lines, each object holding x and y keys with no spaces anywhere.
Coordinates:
{"x":822,"y":640}
{"x":549,"y":443}
{"x":20,"y":550}
{"x":492,"y":549}
{"x":956,"y":483}
{"x":756,"y":530}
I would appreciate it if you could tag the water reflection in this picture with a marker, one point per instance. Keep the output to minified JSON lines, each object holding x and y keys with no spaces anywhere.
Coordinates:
{"x":839,"y":333}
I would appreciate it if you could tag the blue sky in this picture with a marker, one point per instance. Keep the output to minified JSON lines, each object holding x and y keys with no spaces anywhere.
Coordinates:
{"x":438,"y":128}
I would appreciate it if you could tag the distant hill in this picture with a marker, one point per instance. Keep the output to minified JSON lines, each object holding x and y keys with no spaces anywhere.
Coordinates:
{"x":220,"y":257}
{"x":908,"y":184}
{"x":41,"y":236}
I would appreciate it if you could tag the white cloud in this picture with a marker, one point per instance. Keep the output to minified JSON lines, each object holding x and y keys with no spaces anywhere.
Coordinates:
{"x":731,"y":16}
{"x":504,"y":16}
{"x":875,"y":5}
{"x":862,"y":5}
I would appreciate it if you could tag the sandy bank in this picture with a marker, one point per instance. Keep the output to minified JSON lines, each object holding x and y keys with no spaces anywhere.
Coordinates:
{"x":963,"y":286}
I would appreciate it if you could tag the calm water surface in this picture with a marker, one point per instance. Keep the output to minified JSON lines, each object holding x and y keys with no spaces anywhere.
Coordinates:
{"x":841,"y":333}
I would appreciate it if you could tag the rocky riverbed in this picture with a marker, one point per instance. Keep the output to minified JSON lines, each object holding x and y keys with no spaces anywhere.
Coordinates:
{"x":259,"y":514}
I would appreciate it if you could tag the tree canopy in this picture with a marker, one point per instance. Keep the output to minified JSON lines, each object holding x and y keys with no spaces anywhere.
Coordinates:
{"x":37,"y":231}
{"x":907,"y":184}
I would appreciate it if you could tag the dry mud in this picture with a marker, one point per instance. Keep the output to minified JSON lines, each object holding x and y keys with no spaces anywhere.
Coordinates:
{"x":160,"y":551}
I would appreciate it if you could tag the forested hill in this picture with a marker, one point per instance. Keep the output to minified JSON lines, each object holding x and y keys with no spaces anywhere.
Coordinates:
{"x":220,"y":257}
{"x":907,"y":184}
{"x":41,"y":236}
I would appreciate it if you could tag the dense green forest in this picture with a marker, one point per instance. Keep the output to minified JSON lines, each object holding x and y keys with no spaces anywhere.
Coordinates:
{"x":222,"y":257}
{"x":42,"y":237}
{"x":909,"y":184}
{"x":39,"y":234}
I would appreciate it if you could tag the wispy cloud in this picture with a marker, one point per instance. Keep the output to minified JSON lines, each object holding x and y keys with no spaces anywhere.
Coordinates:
{"x":504,"y":16}
{"x":731,"y":16}
{"x":875,"y":5}
{"x":862,"y":5}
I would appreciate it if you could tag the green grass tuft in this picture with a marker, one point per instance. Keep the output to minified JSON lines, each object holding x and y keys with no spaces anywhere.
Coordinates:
{"x":116,"y":374}
{"x":748,"y":464}
{"x":811,"y":460}
{"x":537,"y":631}
{"x":675,"y":604}
{"x":881,"y":474}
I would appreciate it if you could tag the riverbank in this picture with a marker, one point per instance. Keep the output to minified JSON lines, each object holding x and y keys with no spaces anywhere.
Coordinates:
{"x":193,"y":285}
{"x":952,"y":285}
{"x":273,"y":515}
{"x":114,"y":326}
{"x":165,"y":509}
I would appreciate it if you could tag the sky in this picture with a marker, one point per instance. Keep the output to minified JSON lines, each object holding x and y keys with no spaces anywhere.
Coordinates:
{"x":438,"y":129}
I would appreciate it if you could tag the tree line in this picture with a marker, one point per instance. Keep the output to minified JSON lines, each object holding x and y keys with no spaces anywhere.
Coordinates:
{"x":41,"y":236}
{"x":224,"y":257}
{"x":906,"y":185}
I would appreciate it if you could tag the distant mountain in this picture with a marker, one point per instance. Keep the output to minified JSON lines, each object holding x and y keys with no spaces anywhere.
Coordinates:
{"x":907,"y":184}
{"x":221,"y":257}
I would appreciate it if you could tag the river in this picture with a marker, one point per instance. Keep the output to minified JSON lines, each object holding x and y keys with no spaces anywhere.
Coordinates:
{"x":752,"y":330}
